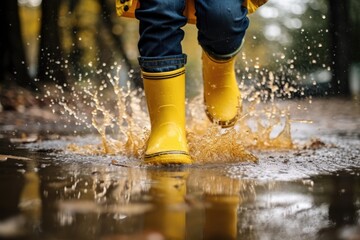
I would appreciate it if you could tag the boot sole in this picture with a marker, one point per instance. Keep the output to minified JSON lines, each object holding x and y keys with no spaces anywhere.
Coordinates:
{"x":168,"y":157}
{"x":222,"y":124}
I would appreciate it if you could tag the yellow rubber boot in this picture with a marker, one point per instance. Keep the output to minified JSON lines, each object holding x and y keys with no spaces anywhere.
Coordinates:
{"x":165,"y":96}
{"x":221,"y":92}
{"x":168,"y":216}
{"x":221,"y":217}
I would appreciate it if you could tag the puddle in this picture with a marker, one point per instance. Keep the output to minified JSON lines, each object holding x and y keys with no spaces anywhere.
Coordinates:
{"x":308,"y":191}
{"x":55,"y":194}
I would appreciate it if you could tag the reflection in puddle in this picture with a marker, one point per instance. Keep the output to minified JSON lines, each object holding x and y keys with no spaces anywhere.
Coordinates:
{"x":67,"y":198}
{"x":167,"y":192}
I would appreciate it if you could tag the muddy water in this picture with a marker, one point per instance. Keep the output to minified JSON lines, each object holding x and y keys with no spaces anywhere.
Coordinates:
{"x":60,"y":196}
{"x":308,"y":192}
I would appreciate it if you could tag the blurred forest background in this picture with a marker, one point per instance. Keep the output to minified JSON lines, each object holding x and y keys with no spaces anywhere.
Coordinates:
{"x":312,"y":45}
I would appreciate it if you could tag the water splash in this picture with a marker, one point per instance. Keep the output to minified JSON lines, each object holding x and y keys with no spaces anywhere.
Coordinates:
{"x":119,"y":115}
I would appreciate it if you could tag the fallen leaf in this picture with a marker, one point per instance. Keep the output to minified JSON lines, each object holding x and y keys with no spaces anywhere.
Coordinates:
{"x":25,"y":139}
{"x":6,"y":157}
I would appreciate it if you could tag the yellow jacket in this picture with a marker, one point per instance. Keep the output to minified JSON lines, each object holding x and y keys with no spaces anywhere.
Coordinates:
{"x":127,"y":9}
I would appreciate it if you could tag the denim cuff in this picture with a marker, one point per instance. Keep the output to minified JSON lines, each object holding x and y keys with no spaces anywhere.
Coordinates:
{"x":224,"y":57}
{"x":162,"y":64}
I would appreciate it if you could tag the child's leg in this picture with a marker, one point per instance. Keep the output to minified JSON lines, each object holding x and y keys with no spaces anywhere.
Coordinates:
{"x":222,"y":26}
{"x":162,"y":63}
{"x":161,"y":35}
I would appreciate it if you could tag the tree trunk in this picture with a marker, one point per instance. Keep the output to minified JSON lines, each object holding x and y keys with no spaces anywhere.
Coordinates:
{"x":51,"y":62}
{"x":340,"y":40}
{"x":76,"y":53}
{"x":13,"y":64}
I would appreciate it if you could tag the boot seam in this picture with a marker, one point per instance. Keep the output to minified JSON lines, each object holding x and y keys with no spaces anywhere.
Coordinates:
{"x":163,"y":76}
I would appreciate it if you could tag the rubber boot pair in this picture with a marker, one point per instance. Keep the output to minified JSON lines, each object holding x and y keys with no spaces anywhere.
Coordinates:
{"x":165,"y":96}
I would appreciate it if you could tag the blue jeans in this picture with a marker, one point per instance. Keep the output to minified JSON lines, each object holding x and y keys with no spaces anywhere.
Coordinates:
{"x":221,"y":28}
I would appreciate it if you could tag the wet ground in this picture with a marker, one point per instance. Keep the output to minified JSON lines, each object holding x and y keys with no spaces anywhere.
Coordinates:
{"x":310,"y":192}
